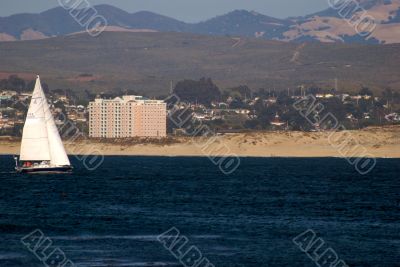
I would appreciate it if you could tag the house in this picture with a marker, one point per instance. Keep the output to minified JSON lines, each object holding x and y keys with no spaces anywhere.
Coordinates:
{"x":223,"y":105}
{"x":19,"y":113}
{"x":271,"y":100}
{"x":229,"y":100}
{"x":367,"y":116}
{"x":81,"y":108}
{"x":344,"y":97}
{"x":351,"y":117}
{"x":297,"y":97}
{"x":242,"y":111}
{"x":254,"y":101}
{"x":180,"y":132}
{"x":63,"y":99}
{"x":277,"y":121}
{"x":9,"y":92}
{"x":24,"y":96}
{"x":200,"y":116}
{"x":58,"y":110}
{"x":325,"y":96}
{"x":5,"y":122}
{"x":359,"y":97}
{"x":393,"y":117}
{"x":7,"y":95}
{"x":356,"y":97}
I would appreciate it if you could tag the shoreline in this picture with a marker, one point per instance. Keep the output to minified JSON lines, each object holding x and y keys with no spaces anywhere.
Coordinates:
{"x":377,"y":142}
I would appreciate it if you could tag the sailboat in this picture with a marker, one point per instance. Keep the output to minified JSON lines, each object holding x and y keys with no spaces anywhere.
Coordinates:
{"x":42,"y":150}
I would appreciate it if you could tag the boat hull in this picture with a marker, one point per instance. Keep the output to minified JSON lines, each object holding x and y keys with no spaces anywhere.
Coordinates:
{"x":44,"y":170}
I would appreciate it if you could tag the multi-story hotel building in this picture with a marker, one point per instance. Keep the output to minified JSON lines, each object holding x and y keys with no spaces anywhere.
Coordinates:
{"x":129,"y":116}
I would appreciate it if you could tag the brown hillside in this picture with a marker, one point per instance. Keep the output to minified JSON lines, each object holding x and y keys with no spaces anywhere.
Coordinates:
{"x":149,"y":61}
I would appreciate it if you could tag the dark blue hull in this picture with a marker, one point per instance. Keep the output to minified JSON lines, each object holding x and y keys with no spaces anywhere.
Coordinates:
{"x":66,"y":169}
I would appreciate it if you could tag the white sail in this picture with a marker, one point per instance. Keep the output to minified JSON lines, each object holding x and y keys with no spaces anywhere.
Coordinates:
{"x":58,"y":156}
{"x":40,"y":139}
{"x":35,"y":145}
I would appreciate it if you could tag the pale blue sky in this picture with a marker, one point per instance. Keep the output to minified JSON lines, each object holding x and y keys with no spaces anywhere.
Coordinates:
{"x":186,"y":10}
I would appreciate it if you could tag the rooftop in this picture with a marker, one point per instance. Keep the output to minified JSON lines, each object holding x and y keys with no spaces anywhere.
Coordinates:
{"x":128,"y":98}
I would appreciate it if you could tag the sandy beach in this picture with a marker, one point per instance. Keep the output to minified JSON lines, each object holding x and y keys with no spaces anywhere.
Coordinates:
{"x":382,"y":142}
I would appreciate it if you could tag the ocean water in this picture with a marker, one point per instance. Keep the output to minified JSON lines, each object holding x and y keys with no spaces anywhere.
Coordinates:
{"x":113,"y":215}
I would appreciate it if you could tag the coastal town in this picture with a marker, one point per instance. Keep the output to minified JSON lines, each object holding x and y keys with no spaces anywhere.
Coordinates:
{"x":232,"y":110}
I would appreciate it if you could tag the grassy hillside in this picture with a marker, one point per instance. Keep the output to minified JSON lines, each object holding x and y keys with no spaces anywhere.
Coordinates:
{"x":147,"y":62}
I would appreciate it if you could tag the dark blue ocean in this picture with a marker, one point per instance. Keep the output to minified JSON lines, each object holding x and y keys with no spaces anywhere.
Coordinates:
{"x":113,"y":215}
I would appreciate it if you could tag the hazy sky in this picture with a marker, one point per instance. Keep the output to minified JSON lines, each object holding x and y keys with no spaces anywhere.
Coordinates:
{"x":186,"y":10}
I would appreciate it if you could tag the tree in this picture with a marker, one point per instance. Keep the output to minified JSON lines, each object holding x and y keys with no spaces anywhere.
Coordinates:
{"x":16,"y":83}
{"x":179,"y":118}
{"x":13,"y":83}
{"x":284,"y":99}
{"x":237,"y":103}
{"x":30,"y":85}
{"x":242,"y":91}
{"x":366,"y":91}
{"x":315,"y":90}
{"x":387,"y":94}
{"x":203,"y":91}
{"x":262,"y":93}
{"x":336,"y":107}
{"x":253,"y":124}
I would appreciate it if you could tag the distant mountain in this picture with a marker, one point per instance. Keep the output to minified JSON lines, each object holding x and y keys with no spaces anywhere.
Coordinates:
{"x":58,"y":21}
{"x":333,"y":25}
{"x":326,"y":26}
{"x":140,"y":20}
{"x":243,"y":23}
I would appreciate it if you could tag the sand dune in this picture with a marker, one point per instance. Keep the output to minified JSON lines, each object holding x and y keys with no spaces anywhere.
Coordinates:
{"x":372,"y":142}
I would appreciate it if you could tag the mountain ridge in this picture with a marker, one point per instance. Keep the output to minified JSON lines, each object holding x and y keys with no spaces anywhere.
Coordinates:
{"x":324,"y":26}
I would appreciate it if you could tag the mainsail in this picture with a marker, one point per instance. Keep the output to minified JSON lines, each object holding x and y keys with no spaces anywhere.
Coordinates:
{"x":40,"y":139}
